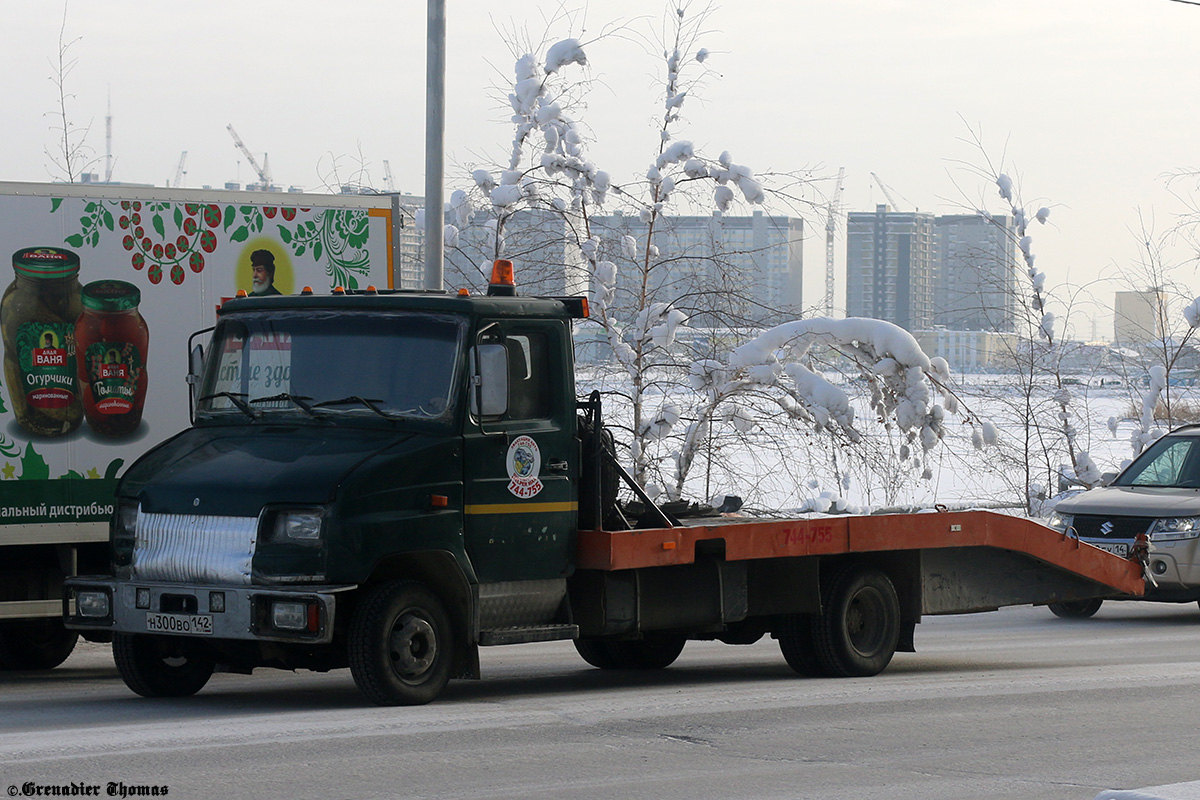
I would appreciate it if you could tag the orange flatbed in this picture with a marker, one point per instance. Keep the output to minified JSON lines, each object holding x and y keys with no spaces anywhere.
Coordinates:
{"x":750,"y":539}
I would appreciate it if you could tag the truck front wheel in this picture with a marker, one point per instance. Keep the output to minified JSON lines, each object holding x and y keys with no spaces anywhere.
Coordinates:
{"x":401,"y":645}
{"x":35,"y":643}
{"x":161,"y":666}
{"x":856,"y":634}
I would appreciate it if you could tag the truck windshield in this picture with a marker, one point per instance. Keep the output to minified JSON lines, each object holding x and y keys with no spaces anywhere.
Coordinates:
{"x":332,"y":364}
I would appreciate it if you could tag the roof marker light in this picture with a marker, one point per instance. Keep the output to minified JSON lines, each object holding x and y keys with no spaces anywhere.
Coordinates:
{"x":502,"y":283}
{"x":242,"y":293}
{"x":464,"y":292}
{"x":306,"y":290}
{"x":338,"y":290}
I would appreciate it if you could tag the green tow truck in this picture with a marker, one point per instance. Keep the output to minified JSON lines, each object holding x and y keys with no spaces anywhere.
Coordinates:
{"x":388,"y":481}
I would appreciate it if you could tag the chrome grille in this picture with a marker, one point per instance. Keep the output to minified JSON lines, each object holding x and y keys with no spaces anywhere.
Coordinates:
{"x":194,"y":549}
{"x":1094,"y":526}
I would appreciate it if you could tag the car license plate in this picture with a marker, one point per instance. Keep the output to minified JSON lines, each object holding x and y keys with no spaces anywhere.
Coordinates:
{"x":180,"y":623}
{"x":1121,"y":549}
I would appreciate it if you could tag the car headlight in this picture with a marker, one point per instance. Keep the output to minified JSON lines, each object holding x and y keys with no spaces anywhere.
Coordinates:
{"x":1175,"y":528}
{"x":1060,"y":522}
{"x":298,"y":526}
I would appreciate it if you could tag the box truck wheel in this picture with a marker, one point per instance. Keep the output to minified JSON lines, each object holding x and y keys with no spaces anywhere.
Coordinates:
{"x":856,"y":634}
{"x":1076,"y":609}
{"x":654,"y":652}
{"x":795,"y":635}
{"x":401,"y":645}
{"x":161,"y":666}
{"x":35,"y":643}
{"x":598,"y":653}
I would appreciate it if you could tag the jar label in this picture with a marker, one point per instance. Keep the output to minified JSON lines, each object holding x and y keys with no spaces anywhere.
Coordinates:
{"x":46,"y":355}
{"x":113,"y":369}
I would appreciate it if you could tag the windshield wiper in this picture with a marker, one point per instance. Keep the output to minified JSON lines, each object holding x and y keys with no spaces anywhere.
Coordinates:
{"x":369,"y":403}
{"x":297,"y":399}
{"x":236,"y":399}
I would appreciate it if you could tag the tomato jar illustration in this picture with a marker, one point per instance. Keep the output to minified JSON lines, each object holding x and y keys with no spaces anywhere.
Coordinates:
{"x":37,"y":320}
{"x":112,"y":339}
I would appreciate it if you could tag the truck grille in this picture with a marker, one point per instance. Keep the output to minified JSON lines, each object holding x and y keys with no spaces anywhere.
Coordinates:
{"x":1089,"y":526}
{"x":194,"y":549}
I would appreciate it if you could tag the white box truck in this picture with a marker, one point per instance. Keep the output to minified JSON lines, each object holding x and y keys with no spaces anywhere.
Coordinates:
{"x":107,"y":284}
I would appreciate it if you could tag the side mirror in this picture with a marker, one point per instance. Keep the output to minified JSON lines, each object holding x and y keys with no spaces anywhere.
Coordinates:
{"x":195,"y":370}
{"x":195,"y":365}
{"x":489,"y":380}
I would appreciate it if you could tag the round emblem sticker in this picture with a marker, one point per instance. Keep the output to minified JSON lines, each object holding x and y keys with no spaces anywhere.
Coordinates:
{"x":524,"y":463}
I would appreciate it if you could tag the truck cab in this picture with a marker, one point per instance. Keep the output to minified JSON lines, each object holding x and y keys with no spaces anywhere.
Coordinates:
{"x":379,"y":480}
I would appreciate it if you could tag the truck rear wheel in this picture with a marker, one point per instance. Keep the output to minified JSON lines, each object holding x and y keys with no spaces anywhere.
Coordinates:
{"x":35,"y":643}
{"x":161,"y":666}
{"x":796,"y":643}
{"x":401,"y":645}
{"x":857,"y":632}
{"x":1076,"y":609}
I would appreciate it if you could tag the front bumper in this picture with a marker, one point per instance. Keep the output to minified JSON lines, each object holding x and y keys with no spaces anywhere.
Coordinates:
{"x":248,"y":613}
{"x":1174,"y":563}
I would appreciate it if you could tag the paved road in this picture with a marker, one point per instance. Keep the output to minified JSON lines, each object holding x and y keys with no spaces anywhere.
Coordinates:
{"x":1013,"y":704}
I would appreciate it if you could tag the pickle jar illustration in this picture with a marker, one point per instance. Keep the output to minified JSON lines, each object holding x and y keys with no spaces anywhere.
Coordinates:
{"x":37,"y":320}
{"x":112,"y":339}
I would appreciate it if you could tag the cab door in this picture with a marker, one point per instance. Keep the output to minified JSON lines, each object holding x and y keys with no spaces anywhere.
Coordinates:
{"x":521,"y":467}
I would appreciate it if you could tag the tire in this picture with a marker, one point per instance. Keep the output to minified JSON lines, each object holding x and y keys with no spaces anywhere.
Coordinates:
{"x":1076,"y":609}
{"x":857,"y":632}
{"x":795,"y":636}
{"x":162,"y":666}
{"x":35,"y":643}
{"x":657,"y":652}
{"x":598,"y":653}
{"x":401,"y":645}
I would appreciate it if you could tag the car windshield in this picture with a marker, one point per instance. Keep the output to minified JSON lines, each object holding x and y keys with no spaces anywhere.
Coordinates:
{"x":1170,"y":461}
{"x":326,"y":365}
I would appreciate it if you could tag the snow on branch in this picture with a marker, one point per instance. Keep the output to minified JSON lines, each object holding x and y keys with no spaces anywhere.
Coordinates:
{"x":896,"y":368}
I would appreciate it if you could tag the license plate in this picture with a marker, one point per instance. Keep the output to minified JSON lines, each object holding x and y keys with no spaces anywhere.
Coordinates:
{"x":180,"y":623}
{"x":1116,"y":549}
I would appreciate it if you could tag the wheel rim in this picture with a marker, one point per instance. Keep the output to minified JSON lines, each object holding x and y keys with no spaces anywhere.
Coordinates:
{"x":866,"y":621}
{"x":412,"y":647}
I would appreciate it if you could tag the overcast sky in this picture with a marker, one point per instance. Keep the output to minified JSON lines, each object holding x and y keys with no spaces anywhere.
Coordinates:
{"x":1089,"y":103}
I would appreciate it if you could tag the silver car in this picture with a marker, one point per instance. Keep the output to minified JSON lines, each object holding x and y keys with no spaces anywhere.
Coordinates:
{"x":1158,"y":495}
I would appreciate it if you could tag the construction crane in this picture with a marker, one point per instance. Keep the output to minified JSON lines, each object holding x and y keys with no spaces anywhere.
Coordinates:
{"x":387,"y":176}
{"x":108,"y":159}
{"x":886,"y":193}
{"x":179,"y":170}
{"x":264,"y":172}
{"x":830,"y":229}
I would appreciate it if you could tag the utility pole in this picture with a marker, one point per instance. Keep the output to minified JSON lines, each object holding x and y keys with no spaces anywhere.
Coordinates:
{"x":435,"y":129}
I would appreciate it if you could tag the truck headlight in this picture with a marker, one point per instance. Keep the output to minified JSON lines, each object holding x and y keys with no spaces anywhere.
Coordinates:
{"x":1060,"y":522}
{"x":298,"y":526}
{"x":92,"y":603}
{"x":124,"y":536}
{"x":1170,"y":528}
